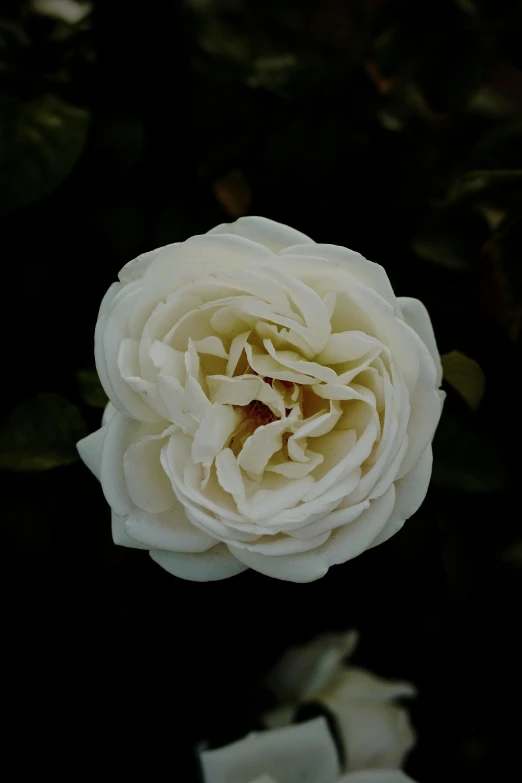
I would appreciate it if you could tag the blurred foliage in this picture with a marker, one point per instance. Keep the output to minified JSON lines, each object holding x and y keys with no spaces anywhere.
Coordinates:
{"x":41,"y":433}
{"x":91,"y":389}
{"x":465,"y":376}
{"x":390,"y":126}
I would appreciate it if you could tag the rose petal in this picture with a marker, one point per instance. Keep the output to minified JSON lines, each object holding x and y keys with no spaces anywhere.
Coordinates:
{"x":303,"y":670}
{"x":303,"y":753}
{"x":273,"y":235}
{"x":119,"y":535}
{"x":210,"y":566}
{"x":426,"y":408}
{"x":120,"y":433}
{"x":416,"y":316}
{"x":147,"y":483}
{"x":346,"y":347}
{"x":410,"y":492}
{"x":262,"y":444}
{"x":215,"y":430}
{"x":344,"y":544}
{"x":170,"y":531}
{"x":90,"y":450}
{"x":375,"y":776}
{"x":371,"y":274}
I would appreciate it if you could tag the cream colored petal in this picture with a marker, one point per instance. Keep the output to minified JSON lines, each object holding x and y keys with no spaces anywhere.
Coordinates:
{"x":416,"y":316}
{"x":283,"y":337}
{"x":108,"y":413}
{"x":90,"y":450}
{"x":296,"y":470}
{"x":267,"y":503}
{"x":351,"y":684}
{"x":120,"y":537}
{"x":185,"y":407}
{"x":303,"y":753}
{"x":294,"y":361}
{"x":110,"y":333}
{"x":233,"y":252}
{"x":136,"y":268}
{"x":372,"y":275}
{"x":410,"y":492}
{"x":185,"y":475}
{"x":350,"y":540}
{"x":120,"y":433}
{"x":332,"y":520}
{"x":243,"y":389}
{"x":214,"y":432}
{"x":229,"y":475}
{"x":280,"y":545}
{"x":319,"y":424}
{"x":344,"y":544}
{"x":336,"y":391}
{"x":237,"y":347}
{"x":262,"y":444}
{"x":170,"y":531}
{"x":167,"y":360}
{"x":268,"y":367}
{"x":304,"y":669}
{"x":273,"y":235}
{"x":101,"y":324}
{"x":375,"y":736}
{"x":426,"y":408}
{"x":345,"y":347}
{"x":375,"y":776}
{"x":210,"y":566}
{"x":308,"y":303}
{"x":351,"y":455}
{"x":147,"y":483}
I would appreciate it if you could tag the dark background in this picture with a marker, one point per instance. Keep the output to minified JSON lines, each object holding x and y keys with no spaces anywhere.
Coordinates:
{"x":391,"y":127}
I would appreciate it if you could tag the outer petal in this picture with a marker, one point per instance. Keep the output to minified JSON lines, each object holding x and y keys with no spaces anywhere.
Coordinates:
{"x":170,"y":531}
{"x":375,"y":736}
{"x":275,"y":236}
{"x":371,"y":274}
{"x":416,"y":316}
{"x":305,"y":669}
{"x":90,"y":450}
{"x":120,"y":433}
{"x":344,"y":543}
{"x":376,"y":776}
{"x":410,"y":492}
{"x":304,"y":753}
{"x":425,"y":411}
{"x":120,"y":537}
{"x":217,"y":563}
{"x":108,"y":413}
{"x":350,"y":684}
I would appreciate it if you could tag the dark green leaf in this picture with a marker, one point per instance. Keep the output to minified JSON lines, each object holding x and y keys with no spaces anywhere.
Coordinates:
{"x":91,"y":389}
{"x":40,"y":143}
{"x":41,"y":433}
{"x":465,"y":376}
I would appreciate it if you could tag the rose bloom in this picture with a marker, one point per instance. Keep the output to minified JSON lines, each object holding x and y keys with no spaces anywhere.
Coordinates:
{"x":373,"y":727}
{"x":272,"y":405}
{"x":303,"y":753}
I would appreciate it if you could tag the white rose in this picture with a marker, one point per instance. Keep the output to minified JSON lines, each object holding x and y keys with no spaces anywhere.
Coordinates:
{"x":274,"y":404}
{"x":375,"y":730}
{"x":68,"y":11}
{"x":303,"y":753}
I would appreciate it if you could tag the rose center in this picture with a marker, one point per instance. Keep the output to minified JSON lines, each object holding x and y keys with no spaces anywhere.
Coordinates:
{"x":259,"y":413}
